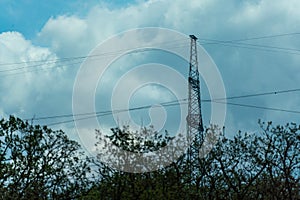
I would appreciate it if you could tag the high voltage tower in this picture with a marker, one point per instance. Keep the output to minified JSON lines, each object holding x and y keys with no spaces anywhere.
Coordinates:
{"x":194,"y":119}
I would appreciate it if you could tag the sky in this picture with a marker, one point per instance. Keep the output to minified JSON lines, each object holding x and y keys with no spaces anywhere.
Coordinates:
{"x":36,"y":79}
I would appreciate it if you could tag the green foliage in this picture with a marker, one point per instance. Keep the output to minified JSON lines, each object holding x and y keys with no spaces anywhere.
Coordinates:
{"x":282,"y":158}
{"x":160,"y":184}
{"x":39,"y":163}
{"x":248,"y":166}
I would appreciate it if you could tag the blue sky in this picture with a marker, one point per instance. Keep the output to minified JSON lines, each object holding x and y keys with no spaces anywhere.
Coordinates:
{"x":34,"y":30}
{"x":29,"y":16}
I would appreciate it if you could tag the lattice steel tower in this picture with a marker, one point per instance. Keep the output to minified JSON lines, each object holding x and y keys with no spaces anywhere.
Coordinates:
{"x":194,"y":118}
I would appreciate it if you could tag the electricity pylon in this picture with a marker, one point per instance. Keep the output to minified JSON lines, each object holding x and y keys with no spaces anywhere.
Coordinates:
{"x":194,"y":118}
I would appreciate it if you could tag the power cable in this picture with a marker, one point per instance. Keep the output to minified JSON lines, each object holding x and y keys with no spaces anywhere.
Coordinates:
{"x":171,"y":103}
{"x":267,"y":36}
{"x":254,"y":45}
{"x":144,"y":107}
{"x":251,"y":38}
{"x":94,"y":55}
{"x":206,"y":39}
{"x":104,"y":113}
{"x":264,"y":48}
{"x":39,"y":69}
{"x":258,"y":107}
{"x":254,"y":95}
{"x":224,"y":43}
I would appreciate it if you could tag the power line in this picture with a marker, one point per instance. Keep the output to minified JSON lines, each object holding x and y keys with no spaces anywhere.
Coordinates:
{"x":267,"y":36}
{"x":61,"y":64}
{"x":214,"y":41}
{"x":71,"y":64}
{"x":39,"y":69}
{"x":254,"y":95}
{"x":111,"y":53}
{"x":254,"y":45}
{"x":110,"y":112}
{"x":258,"y":107}
{"x":237,"y":43}
{"x":41,"y":61}
{"x":170,"y":102}
{"x":144,"y":107}
{"x":32,"y":66}
{"x":266,"y":49}
{"x":89,"y":115}
{"x":224,"y":43}
{"x":252,"y":38}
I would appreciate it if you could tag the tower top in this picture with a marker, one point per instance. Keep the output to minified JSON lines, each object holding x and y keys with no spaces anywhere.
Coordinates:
{"x":193,"y":37}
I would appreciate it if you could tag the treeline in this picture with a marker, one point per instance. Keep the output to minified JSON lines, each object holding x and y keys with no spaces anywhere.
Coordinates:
{"x":39,"y":163}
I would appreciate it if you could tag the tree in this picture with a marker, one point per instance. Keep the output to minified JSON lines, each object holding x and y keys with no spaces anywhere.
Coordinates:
{"x":262,"y":165}
{"x":164,"y":183}
{"x":237,"y":163}
{"x":39,"y":163}
{"x":282,"y":175}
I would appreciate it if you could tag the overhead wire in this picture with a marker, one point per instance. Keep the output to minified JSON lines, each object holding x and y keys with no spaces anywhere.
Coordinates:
{"x":169,"y":103}
{"x":237,"y":43}
{"x":89,"y":115}
{"x":264,"y":48}
{"x":63,"y":64}
{"x":254,"y":95}
{"x":104,"y":113}
{"x":254,"y":45}
{"x":214,"y":41}
{"x":86,"y":56}
{"x":32,"y":66}
{"x":257,"y":107}
{"x":40,"y":69}
{"x":149,"y":106}
{"x":233,"y":43}
{"x":267,"y":36}
{"x":94,"y":55}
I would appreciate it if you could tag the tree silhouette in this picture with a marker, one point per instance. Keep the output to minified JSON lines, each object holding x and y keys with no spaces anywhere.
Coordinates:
{"x":39,"y":163}
{"x":262,"y":165}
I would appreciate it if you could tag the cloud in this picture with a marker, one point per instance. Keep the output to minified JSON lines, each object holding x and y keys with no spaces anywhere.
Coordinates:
{"x":244,"y":70}
{"x":277,"y":14}
{"x":16,"y":48}
{"x":26,"y":82}
{"x":63,"y":33}
{"x":71,"y":33}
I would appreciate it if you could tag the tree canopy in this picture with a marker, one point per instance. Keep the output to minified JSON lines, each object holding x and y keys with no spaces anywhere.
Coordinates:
{"x":263,"y":165}
{"x":39,"y":163}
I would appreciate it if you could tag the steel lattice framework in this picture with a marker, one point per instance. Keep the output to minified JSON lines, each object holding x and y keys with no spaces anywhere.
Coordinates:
{"x":194,"y":118}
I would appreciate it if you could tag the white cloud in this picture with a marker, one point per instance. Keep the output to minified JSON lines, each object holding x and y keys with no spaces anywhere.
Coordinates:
{"x":268,"y":15}
{"x":22,"y":89}
{"x":244,"y":71}
{"x":16,"y":48}
{"x":70,"y":34}
{"x":63,"y":33}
